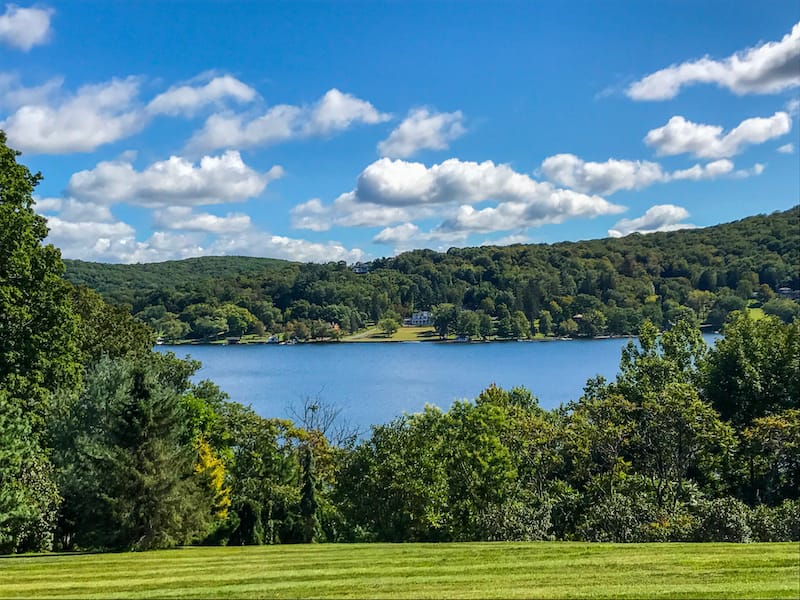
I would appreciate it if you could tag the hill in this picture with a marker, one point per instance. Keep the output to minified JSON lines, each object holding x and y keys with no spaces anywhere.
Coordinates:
{"x":595,"y":287}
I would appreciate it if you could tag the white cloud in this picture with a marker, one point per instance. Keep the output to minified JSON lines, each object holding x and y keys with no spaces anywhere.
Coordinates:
{"x":182,"y":218}
{"x":786,"y":149}
{"x":508,"y":240}
{"x":557,"y":207}
{"x":13,"y":94}
{"x":661,"y":217}
{"x":91,"y":240}
{"x":711,"y":170}
{"x":25,"y":28}
{"x":422,"y":129}
{"x":257,"y":243}
{"x":335,"y":111}
{"x":410,"y":235}
{"x":116,"y":242}
{"x":613,"y":175}
{"x":765,"y":69}
{"x":187,"y":99}
{"x":756,"y":169}
{"x":601,"y":178}
{"x":681,"y":136}
{"x":95,"y":115}
{"x":395,"y":191}
{"x":171,"y":182}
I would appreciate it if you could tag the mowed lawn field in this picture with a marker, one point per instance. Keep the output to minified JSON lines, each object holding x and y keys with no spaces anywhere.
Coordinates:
{"x":466,"y":570}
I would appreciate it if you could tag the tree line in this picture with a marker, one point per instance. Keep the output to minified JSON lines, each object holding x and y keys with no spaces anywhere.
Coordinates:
{"x":108,"y":445}
{"x":590,"y":288}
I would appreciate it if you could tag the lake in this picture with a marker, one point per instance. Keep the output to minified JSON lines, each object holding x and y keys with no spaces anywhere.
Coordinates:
{"x":374,"y":382}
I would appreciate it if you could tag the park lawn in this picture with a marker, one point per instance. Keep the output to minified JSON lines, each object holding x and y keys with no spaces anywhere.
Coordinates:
{"x":404,"y":334}
{"x":465,"y":570}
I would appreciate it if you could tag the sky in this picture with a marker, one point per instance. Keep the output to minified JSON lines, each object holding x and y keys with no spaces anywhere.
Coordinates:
{"x":327,"y":131}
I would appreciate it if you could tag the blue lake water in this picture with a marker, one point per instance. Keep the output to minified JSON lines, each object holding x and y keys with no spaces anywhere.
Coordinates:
{"x":374,"y":382}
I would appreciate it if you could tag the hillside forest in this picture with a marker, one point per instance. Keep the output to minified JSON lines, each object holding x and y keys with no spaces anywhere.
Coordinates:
{"x":106,"y":444}
{"x":575,"y":289}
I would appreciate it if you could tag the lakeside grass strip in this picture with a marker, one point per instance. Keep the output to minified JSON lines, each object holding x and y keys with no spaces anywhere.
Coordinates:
{"x":467,"y":570}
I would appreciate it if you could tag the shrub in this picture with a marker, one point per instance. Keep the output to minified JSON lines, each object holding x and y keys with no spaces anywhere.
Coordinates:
{"x":776,"y":523}
{"x":723,"y":520}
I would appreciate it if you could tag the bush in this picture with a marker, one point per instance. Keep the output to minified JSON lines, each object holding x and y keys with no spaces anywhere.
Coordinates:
{"x":517,"y":520}
{"x":679,"y":526}
{"x":776,"y":523}
{"x":723,"y":520}
{"x":613,"y":519}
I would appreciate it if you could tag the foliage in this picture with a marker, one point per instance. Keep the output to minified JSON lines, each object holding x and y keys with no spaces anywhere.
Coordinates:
{"x":127,"y":461}
{"x":591,"y":288}
{"x":755,"y":369}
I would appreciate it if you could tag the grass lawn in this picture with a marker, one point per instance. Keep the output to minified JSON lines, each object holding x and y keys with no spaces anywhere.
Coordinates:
{"x":404,"y":334}
{"x":487,"y":570}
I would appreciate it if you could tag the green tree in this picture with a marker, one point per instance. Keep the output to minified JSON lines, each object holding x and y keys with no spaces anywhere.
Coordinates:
{"x":445,"y":317}
{"x":773,"y":456}
{"x":520,"y":326}
{"x":127,"y":461}
{"x":545,"y":323}
{"x":39,"y":355}
{"x":308,"y":495}
{"x":38,"y":329}
{"x":468,"y":324}
{"x":754,"y":370}
{"x":485,"y":325}
{"x":29,"y":499}
{"x":388,"y":326}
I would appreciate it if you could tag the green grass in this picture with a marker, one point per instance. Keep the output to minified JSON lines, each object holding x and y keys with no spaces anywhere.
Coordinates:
{"x":487,"y":570}
{"x":404,"y":334}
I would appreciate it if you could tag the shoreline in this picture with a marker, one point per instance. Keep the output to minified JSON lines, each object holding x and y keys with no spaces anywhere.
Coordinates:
{"x":396,"y":341}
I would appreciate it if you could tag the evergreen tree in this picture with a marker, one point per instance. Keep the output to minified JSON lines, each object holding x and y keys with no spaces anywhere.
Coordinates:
{"x":128,"y":462}
{"x":308,"y":496}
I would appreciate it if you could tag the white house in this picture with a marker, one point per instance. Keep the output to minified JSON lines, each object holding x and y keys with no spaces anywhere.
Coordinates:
{"x":421,"y":318}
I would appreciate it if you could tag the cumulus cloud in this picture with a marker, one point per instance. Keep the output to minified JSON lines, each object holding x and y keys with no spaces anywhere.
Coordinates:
{"x":756,"y":169}
{"x":786,"y":149}
{"x":95,"y":240}
{"x":613,"y":175}
{"x":334,"y":112}
{"x":408,"y":235}
{"x":171,"y":182}
{"x":765,"y":69}
{"x":116,"y":241}
{"x":661,"y":217}
{"x":184,"y":219}
{"x":711,"y":170}
{"x":601,"y":178}
{"x":422,"y":130}
{"x":681,"y":136}
{"x":14,"y":94}
{"x":73,"y":210}
{"x":393,"y":191}
{"x":188,"y":99}
{"x":508,"y":240}
{"x":96,"y":114}
{"x":25,"y":28}
{"x":257,"y":243}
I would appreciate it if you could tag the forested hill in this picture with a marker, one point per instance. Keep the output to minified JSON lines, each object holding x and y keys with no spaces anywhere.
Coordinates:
{"x":571,"y":288}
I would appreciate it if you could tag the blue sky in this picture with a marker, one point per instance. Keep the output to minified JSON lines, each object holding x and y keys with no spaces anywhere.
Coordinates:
{"x":351,"y":130}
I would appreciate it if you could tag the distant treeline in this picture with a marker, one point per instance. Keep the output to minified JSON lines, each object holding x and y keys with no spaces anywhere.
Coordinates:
{"x":590,"y":288}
